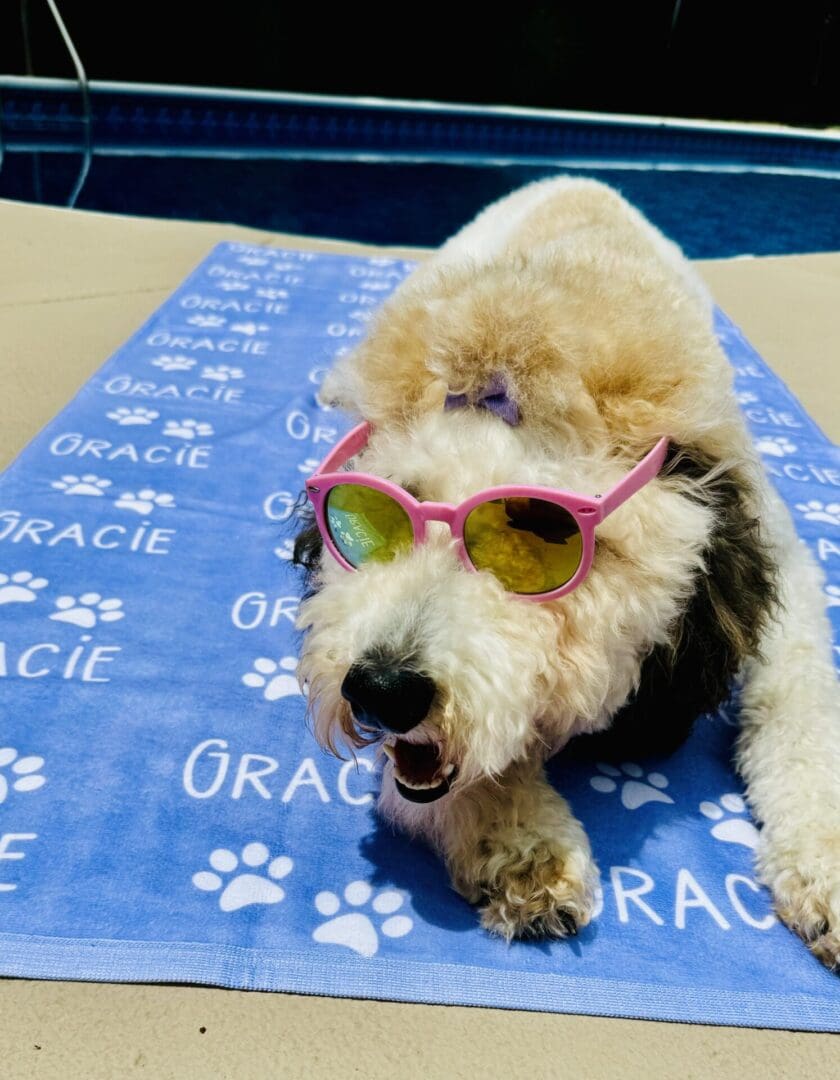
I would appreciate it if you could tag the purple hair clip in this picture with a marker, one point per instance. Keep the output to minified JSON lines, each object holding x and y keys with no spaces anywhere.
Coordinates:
{"x":493,"y":397}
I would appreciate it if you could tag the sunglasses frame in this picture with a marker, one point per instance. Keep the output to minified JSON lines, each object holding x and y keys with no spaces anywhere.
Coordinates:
{"x":588,"y":511}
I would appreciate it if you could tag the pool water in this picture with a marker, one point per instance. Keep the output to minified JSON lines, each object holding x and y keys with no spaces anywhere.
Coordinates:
{"x":711,"y":214}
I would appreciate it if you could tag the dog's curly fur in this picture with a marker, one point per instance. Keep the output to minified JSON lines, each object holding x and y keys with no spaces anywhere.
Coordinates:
{"x":604,"y":335}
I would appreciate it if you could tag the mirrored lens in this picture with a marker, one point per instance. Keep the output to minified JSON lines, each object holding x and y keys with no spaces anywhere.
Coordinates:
{"x":532,"y":546}
{"x":366,"y":525}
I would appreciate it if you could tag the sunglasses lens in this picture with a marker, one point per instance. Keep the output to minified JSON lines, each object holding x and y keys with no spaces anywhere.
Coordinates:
{"x":367,"y":525}
{"x":532,"y":546}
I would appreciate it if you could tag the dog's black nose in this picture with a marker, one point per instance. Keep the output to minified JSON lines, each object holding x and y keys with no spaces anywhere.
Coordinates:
{"x":387,"y":696}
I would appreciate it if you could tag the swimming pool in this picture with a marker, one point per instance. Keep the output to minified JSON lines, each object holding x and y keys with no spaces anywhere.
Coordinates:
{"x":406,"y":172}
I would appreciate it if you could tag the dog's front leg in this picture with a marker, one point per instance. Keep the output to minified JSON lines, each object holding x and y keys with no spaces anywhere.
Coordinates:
{"x":513,"y":846}
{"x":789,"y":754}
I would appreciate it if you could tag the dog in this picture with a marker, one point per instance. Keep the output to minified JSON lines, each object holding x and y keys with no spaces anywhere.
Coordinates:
{"x":560,"y":344}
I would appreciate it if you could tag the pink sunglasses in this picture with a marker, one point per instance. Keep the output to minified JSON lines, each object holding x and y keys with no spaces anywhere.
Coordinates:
{"x":538,"y":541}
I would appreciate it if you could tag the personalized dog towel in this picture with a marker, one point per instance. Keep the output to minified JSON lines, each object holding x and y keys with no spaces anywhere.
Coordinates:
{"x":164,"y":812}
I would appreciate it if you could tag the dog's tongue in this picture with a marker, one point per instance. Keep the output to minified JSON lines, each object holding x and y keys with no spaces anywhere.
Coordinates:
{"x":418,"y":763}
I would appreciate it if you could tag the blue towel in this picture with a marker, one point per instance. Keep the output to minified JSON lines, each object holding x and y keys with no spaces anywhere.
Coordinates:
{"x":164,"y":813}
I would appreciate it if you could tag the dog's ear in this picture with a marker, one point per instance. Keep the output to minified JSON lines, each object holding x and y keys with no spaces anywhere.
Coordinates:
{"x":733,"y":598}
{"x":308,"y":543}
{"x":308,"y":548}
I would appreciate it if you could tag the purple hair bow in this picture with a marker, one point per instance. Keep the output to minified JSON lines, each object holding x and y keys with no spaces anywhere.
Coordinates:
{"x":493,"y":397}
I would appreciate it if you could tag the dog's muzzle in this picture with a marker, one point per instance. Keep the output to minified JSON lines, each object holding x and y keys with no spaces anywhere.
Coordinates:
{"x":394,"y":700}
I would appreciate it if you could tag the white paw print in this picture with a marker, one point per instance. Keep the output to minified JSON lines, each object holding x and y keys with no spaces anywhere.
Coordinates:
{"x":222,"y":373}
{"x":746,"y":397}
{"x":87,"y":610}
{"x":776,"y":445}
{"x":273,"y":677}
{"x":233,"y":286}
{"x":337,"y":529}
{"x":187,"y":429}
{"x":249,"y":328}
{"x":817,"y":511}
{"x":89,"y":484}
{"x":287,"y":550}
{"x":634,"y":792}
{"x":273,"y":294}
{"x":355,"y":930}
{"x":253,"y":260}
{"x":174,"y":363}
{"x":126,"y":417}
{"x":832,"y":593}
{"x":207,"y":320}
{"x":309,"y":466}
{"x":144,"y":501}
{"x":732,"y":830}
{"x":245,"y":889}
{"x":26,"y":772}
{"x":20,"y":588}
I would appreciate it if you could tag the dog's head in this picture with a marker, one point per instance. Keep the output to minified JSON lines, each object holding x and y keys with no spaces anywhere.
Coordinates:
{"x":458,"y":678}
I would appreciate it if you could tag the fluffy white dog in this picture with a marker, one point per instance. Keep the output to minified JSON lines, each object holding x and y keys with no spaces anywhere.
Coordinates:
{"x":575,"y":336}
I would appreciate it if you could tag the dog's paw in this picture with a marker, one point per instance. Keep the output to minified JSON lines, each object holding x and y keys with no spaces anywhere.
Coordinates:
{"x":806,"y":892}
{"x":539,"y":891}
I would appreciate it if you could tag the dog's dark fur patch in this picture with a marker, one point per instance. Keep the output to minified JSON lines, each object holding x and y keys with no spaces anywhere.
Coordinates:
{"x":719,"y":629}
{"x":308,"y":548}
{"x":308,"y":543}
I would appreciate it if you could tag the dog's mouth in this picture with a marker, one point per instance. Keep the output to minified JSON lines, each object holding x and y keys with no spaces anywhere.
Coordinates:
{"x":420,"y":773}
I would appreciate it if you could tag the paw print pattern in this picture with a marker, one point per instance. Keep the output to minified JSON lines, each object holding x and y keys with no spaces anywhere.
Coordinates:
{"x":89,"y":484}
{"x":337,"y":529}
{"x":20,"y":588}
{"x":732,"y":830}
{"x":187,"y":429}
{"x":25,"y":772}
{"x":208,"y":321}
{"x":273,"y":677}
{"x":222,"y":372}
{"x":87,"y":610}
{"x":776,"y":445}
{"x":355,"y":930}
{"x":127,"y":417}
{"x":245,"y":889}
{"x":286,"y":550}
{"x":144,"y":501}
{"x":309,"y":466}
{"x":174,"y":363}
{"x":249,"y":328}
{"x":817,"y":511}
{"x":832,"y":593}
{"x":635,"y":792}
